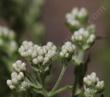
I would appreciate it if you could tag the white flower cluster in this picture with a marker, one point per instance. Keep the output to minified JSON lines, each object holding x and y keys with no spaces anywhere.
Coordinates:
{"x":70,"y":51}
{"x":17,"y":75}
{"x":80,"y":41}
{"x":26,"y":49}
{"x":92,"y":85}
{"x":76,"y":17}
{"x":83,"y":38}
{"x":44,"y":54}
{"x":7,"y":37}
{"x":40,"y":55}
{"x":67,"y":49}
{"x":6,"y":33}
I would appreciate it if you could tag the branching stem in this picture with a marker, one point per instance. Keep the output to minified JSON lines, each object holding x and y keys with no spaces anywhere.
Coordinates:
{"x":60,"y":78}
{"x":67,"y":87}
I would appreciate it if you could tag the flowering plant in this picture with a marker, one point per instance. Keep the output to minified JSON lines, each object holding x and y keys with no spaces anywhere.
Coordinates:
{"x":7,"y":41}
{"x":35,"y":65}
{"x":8,"y":54}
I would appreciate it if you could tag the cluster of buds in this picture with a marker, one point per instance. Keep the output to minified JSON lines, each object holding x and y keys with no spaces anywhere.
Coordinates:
{"x":92,"y":85}
{"x":17,"y":76}
{"x":6,"y":33}
{"x":76,"y":18}
{"x":67,"y":50}
{"x":39,"y":55}
{"x":26,"y":49}
{"x":39,"y":58}
{"x":84,"y":37}
{"x":7,"y":39}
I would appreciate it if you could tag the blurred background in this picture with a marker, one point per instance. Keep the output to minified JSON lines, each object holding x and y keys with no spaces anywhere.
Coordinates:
{"x":44,"y":20}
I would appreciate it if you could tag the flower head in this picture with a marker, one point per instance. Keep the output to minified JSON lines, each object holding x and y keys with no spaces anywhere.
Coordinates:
{"x":7,"y":40}
{"x":92,"y":85}
{"x":26,"y":49}
{"x":40,"y":56}
{"x":67,"y":50}
{"x":6,"y":33}
{"x":83,"y":38}
{"x":76,"y":18}
{"x":17,"y":75}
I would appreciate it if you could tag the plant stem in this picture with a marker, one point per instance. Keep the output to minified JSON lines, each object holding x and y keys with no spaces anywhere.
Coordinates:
{"x":75,"y":86}
{"x":44,"y":91}
{"x":36,"y":89}
{"x":60,"y":78}
{"x":79,"y":75}
{"x":61,"y":90}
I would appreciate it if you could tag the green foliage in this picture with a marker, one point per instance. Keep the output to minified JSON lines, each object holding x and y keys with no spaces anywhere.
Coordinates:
{"x":22,"y":16}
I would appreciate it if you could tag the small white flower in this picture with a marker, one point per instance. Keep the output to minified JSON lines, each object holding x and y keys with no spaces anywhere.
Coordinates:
{"x":83,"y":38}
{"x":83,"y":13}
{"x":13,"y":74}
{"x":75,"y":17}
{"x":17,"y":76}
{"x":49,"y":44}
{"x":7,"y":40}
{"x":7,"y":33}
{"x":46,"y":59}
{"x":26,"y":49}
{"x":44,"y":53}
{"x":19,"y":66}
{"x":12,"y":87}
{"x":67,"y":49}
{"x":9,"y":82}
{"x":100,"y":85}
{"x":40,"y":58}
{"x":89,"y":92}
{"x":23,"y":66}
{"x":91,"y":79}
{"x":35,"y":61}
{"x":91,"y":38}
{"x":20,"y":76}
{"x":15,"y":67}
{"x":92,"y":85}
{"x":14,"y":81}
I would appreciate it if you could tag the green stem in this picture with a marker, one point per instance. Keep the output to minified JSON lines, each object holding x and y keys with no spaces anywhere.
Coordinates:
{"x":36,"y":88}
{"x":44,"y":91}
{"x":41,"y":91}
{"x":79,"y":75}
{"x":76,"y":80}
{"x":60,"y":78}
{"x":61,"y":90}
